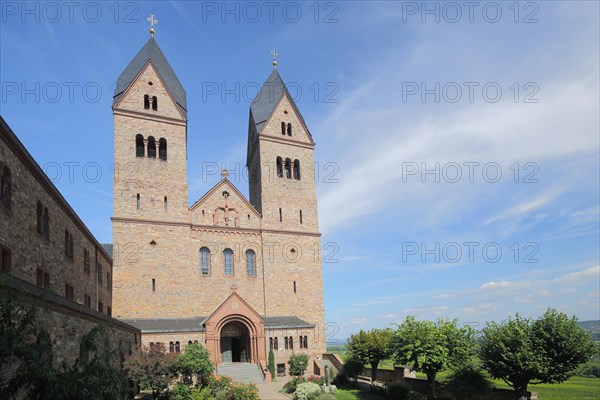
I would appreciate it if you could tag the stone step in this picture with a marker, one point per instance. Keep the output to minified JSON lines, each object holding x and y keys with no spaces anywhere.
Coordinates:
{"x":241,"y":372}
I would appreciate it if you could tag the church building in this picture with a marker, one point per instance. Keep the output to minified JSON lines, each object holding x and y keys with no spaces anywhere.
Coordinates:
{"x":241,"y":276}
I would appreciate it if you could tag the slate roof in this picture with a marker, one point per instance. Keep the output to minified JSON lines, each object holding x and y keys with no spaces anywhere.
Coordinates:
{"x":265,"y":101}
{"x":108,"y":247}
{"x":195,"y":324}
{"x":151,"y":52}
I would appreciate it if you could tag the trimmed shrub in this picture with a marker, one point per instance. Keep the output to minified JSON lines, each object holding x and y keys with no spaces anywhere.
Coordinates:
{"x":352,"y":368}
{"x":467,"y":382}
{"x":340,"y":379}
{"x":298,"y":364}
{"x":202,"y":393}
{"x":292,"y":384}
{"x":219,"y":384}
{"x":397,"y":390}
{"x":240,"y":391}
{"x":590,"y":371}
{"x":307,"y":391}
{"x":272,"y":364}
{"x":181,"y":392}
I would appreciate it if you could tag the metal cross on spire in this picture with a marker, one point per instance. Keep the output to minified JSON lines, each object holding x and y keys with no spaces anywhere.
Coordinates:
{"x":153,"y":21}
{"x":275,"y":54}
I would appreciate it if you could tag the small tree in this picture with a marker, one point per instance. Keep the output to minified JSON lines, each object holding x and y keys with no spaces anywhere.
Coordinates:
{"x":429,"y":347}
{"x":298,"y":364}
{"x":195,"y":360}
{"x":152,"y":368}
{"x":370,"y":347}
{"x":521,"y":351}
{"x":352,"y":368}
{"x":467,"y":381}
{"x":272,"y":364}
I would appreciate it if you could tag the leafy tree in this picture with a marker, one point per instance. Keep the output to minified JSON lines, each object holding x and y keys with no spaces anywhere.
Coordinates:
{"x":352,"y":368}
{"x":430,"y":347}
{"x":26,"y":361}
{"x":195,"y":360}
{"x":272,"y":364}
{"x":548,"y":350}
{"x":298,"y":364}
{"x":370,"y":347}
{"x":467,"y":381}
{"x":152,"y":368}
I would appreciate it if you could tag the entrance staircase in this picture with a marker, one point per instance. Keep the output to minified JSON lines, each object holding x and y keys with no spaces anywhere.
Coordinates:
{"x":241,"y":372}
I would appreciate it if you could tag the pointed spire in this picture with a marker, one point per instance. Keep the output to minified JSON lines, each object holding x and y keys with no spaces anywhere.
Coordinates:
{"x":152,"y":53}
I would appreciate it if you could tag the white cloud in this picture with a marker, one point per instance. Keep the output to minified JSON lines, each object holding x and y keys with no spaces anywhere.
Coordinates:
{"x":579,"y":277}
{"x":479,"y":309}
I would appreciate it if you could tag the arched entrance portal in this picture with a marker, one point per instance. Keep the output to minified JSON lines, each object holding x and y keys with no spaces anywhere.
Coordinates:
{"x":235,"y":343}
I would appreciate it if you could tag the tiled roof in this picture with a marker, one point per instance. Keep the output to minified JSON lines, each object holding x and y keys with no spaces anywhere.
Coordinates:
{"x":151,"y":52}
{"x":194,"y":324}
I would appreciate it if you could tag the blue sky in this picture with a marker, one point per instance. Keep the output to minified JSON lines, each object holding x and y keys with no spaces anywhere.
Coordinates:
{"x":445,"y":135}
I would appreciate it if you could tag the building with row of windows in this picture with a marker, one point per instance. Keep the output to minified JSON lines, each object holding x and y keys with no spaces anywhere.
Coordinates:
{"x":48,"y":253}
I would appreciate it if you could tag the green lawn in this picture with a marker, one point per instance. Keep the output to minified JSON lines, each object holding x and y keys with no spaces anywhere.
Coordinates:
{"x":346,"y":393}
{"x":576,"y":388}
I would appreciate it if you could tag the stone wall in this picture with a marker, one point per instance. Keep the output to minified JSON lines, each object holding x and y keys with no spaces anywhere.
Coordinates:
{"x":66,"y":323}
{"x":31,"y":250}
{"x":422,"y":386}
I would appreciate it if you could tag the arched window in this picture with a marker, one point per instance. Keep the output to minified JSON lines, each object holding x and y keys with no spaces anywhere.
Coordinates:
{"x":139,"y":145}
{"x":271,"y":343}
{"x":46,"y":224}
{"x":297,"y":169}
{"x":285,"y":342}
{"x":291,"y":343}
{"x":40,"y":218}
{"x":282,"y":128}
{"x":162,"y":149}
{"x":189,"y":342}
{"x":250,"y":262}
{"x":279,"y":163}
{"x":6,"y":187}
{"x":154,"y":103}
{"x":151,"y":147}
{"x":177,"y":347}
{"x":275,"y":344}
{"x":289,"y":129}
{"x":228,"y":261}
{"x":288,"y":168}
{"x":171,"y":347}
{"x":205,"y":261}
{"x":305,"y":342}
{"x":301,"y":341}
{"x":146,"y":102}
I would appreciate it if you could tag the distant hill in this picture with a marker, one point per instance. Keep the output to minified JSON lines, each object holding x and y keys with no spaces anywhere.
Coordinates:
{"x":591,"y":326}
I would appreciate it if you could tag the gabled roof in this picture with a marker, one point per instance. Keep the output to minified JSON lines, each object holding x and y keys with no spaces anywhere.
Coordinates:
{"x":267,"y":99}
{"x":152,"y":53}
{"x":222,"y":182}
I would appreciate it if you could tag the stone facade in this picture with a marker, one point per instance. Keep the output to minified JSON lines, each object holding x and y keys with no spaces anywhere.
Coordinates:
{"x":274,"y":238}
{"x":54,"y":257}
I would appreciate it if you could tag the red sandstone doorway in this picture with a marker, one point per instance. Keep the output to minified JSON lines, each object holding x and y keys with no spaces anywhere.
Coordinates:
{"x":235,"y":343}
